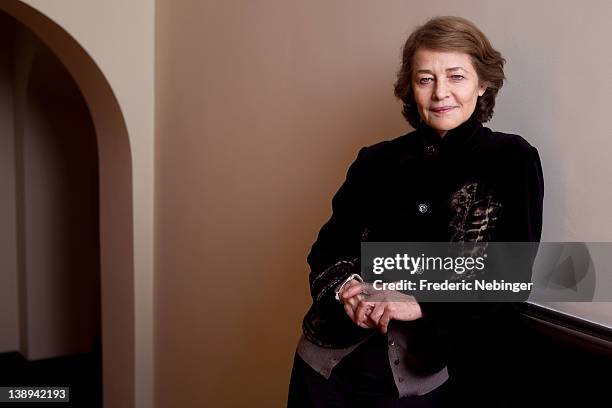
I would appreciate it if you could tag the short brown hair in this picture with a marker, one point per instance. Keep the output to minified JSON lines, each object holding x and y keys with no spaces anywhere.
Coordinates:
{"x":450,"y":33}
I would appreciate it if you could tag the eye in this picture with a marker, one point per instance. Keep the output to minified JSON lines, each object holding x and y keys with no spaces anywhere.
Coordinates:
{"x":457,"y":77}
{"x":425,"y":81}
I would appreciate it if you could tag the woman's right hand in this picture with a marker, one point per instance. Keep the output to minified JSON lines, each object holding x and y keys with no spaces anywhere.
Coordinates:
{"x":351,"y":302}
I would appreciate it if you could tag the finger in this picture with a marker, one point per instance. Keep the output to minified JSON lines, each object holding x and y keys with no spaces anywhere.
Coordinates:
{"x":366,"y":319}
{"x":353,"y":301}
{"x":349,"y":311}
{"x":361,"y":313}
{"x":377,"y":311}
{"x":351,"y":290}
{"x":383,"y":323}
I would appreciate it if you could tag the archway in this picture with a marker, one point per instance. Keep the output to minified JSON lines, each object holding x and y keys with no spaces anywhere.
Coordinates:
{"x":115,"y":205}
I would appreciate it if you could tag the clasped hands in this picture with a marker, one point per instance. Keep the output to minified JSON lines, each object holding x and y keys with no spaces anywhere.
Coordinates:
{"x":370,"y":308}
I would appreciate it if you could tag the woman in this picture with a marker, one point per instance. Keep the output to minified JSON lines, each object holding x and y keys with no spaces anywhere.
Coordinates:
{"x":452,"y":179}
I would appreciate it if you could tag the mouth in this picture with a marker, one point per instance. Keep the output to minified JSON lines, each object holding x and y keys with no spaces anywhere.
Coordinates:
{"x":443,"y":109}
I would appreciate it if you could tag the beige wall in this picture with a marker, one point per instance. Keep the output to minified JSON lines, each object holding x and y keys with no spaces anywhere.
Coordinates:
{"x":260,"y":108}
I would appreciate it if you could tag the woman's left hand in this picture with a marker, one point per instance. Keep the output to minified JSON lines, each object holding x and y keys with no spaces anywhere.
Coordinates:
{"x":381,"y":306}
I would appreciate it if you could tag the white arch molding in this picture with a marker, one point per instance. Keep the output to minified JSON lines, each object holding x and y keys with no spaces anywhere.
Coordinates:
{"x":116,"y":204}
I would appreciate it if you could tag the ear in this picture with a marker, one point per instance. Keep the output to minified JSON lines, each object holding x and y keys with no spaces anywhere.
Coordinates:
{"x":482,"y":89}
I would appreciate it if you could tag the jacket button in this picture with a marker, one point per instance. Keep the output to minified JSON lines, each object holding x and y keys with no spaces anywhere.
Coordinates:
{"x":400,"y":379}
{"x":391,"y":343}
{"x":396,"y":362}
{"x":423,"y":208}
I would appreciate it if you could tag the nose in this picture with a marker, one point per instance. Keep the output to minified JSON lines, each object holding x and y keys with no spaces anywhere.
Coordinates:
{"x":440,"y":90}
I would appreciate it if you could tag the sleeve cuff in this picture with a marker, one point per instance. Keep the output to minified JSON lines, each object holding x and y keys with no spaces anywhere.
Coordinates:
{"x":347,"y":280}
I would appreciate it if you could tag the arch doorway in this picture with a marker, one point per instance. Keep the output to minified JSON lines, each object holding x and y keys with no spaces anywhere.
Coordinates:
{"x":67,"y":251}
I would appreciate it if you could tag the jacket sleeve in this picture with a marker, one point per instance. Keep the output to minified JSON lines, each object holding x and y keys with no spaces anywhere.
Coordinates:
{"x":525,"y":196}
{"x":521,"y":190}
{"x":333,"y":258}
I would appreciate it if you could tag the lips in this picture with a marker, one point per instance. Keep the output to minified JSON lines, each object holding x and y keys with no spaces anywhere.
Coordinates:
{"x":443,"y":109}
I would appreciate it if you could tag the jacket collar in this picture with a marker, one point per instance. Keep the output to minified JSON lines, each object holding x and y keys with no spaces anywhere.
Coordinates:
{"x":460,"y":140}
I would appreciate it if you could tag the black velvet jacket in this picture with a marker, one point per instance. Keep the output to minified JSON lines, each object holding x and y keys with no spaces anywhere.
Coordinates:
{"x":471,"y":185}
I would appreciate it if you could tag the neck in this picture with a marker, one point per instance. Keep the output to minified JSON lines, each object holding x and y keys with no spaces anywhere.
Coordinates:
{"x":465,"y":126}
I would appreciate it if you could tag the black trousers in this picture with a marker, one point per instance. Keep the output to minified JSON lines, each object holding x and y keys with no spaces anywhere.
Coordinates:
{"x":361,"y":379}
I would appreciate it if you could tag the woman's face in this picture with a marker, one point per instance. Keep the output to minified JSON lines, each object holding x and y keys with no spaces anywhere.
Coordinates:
{"x":446,"y":88}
